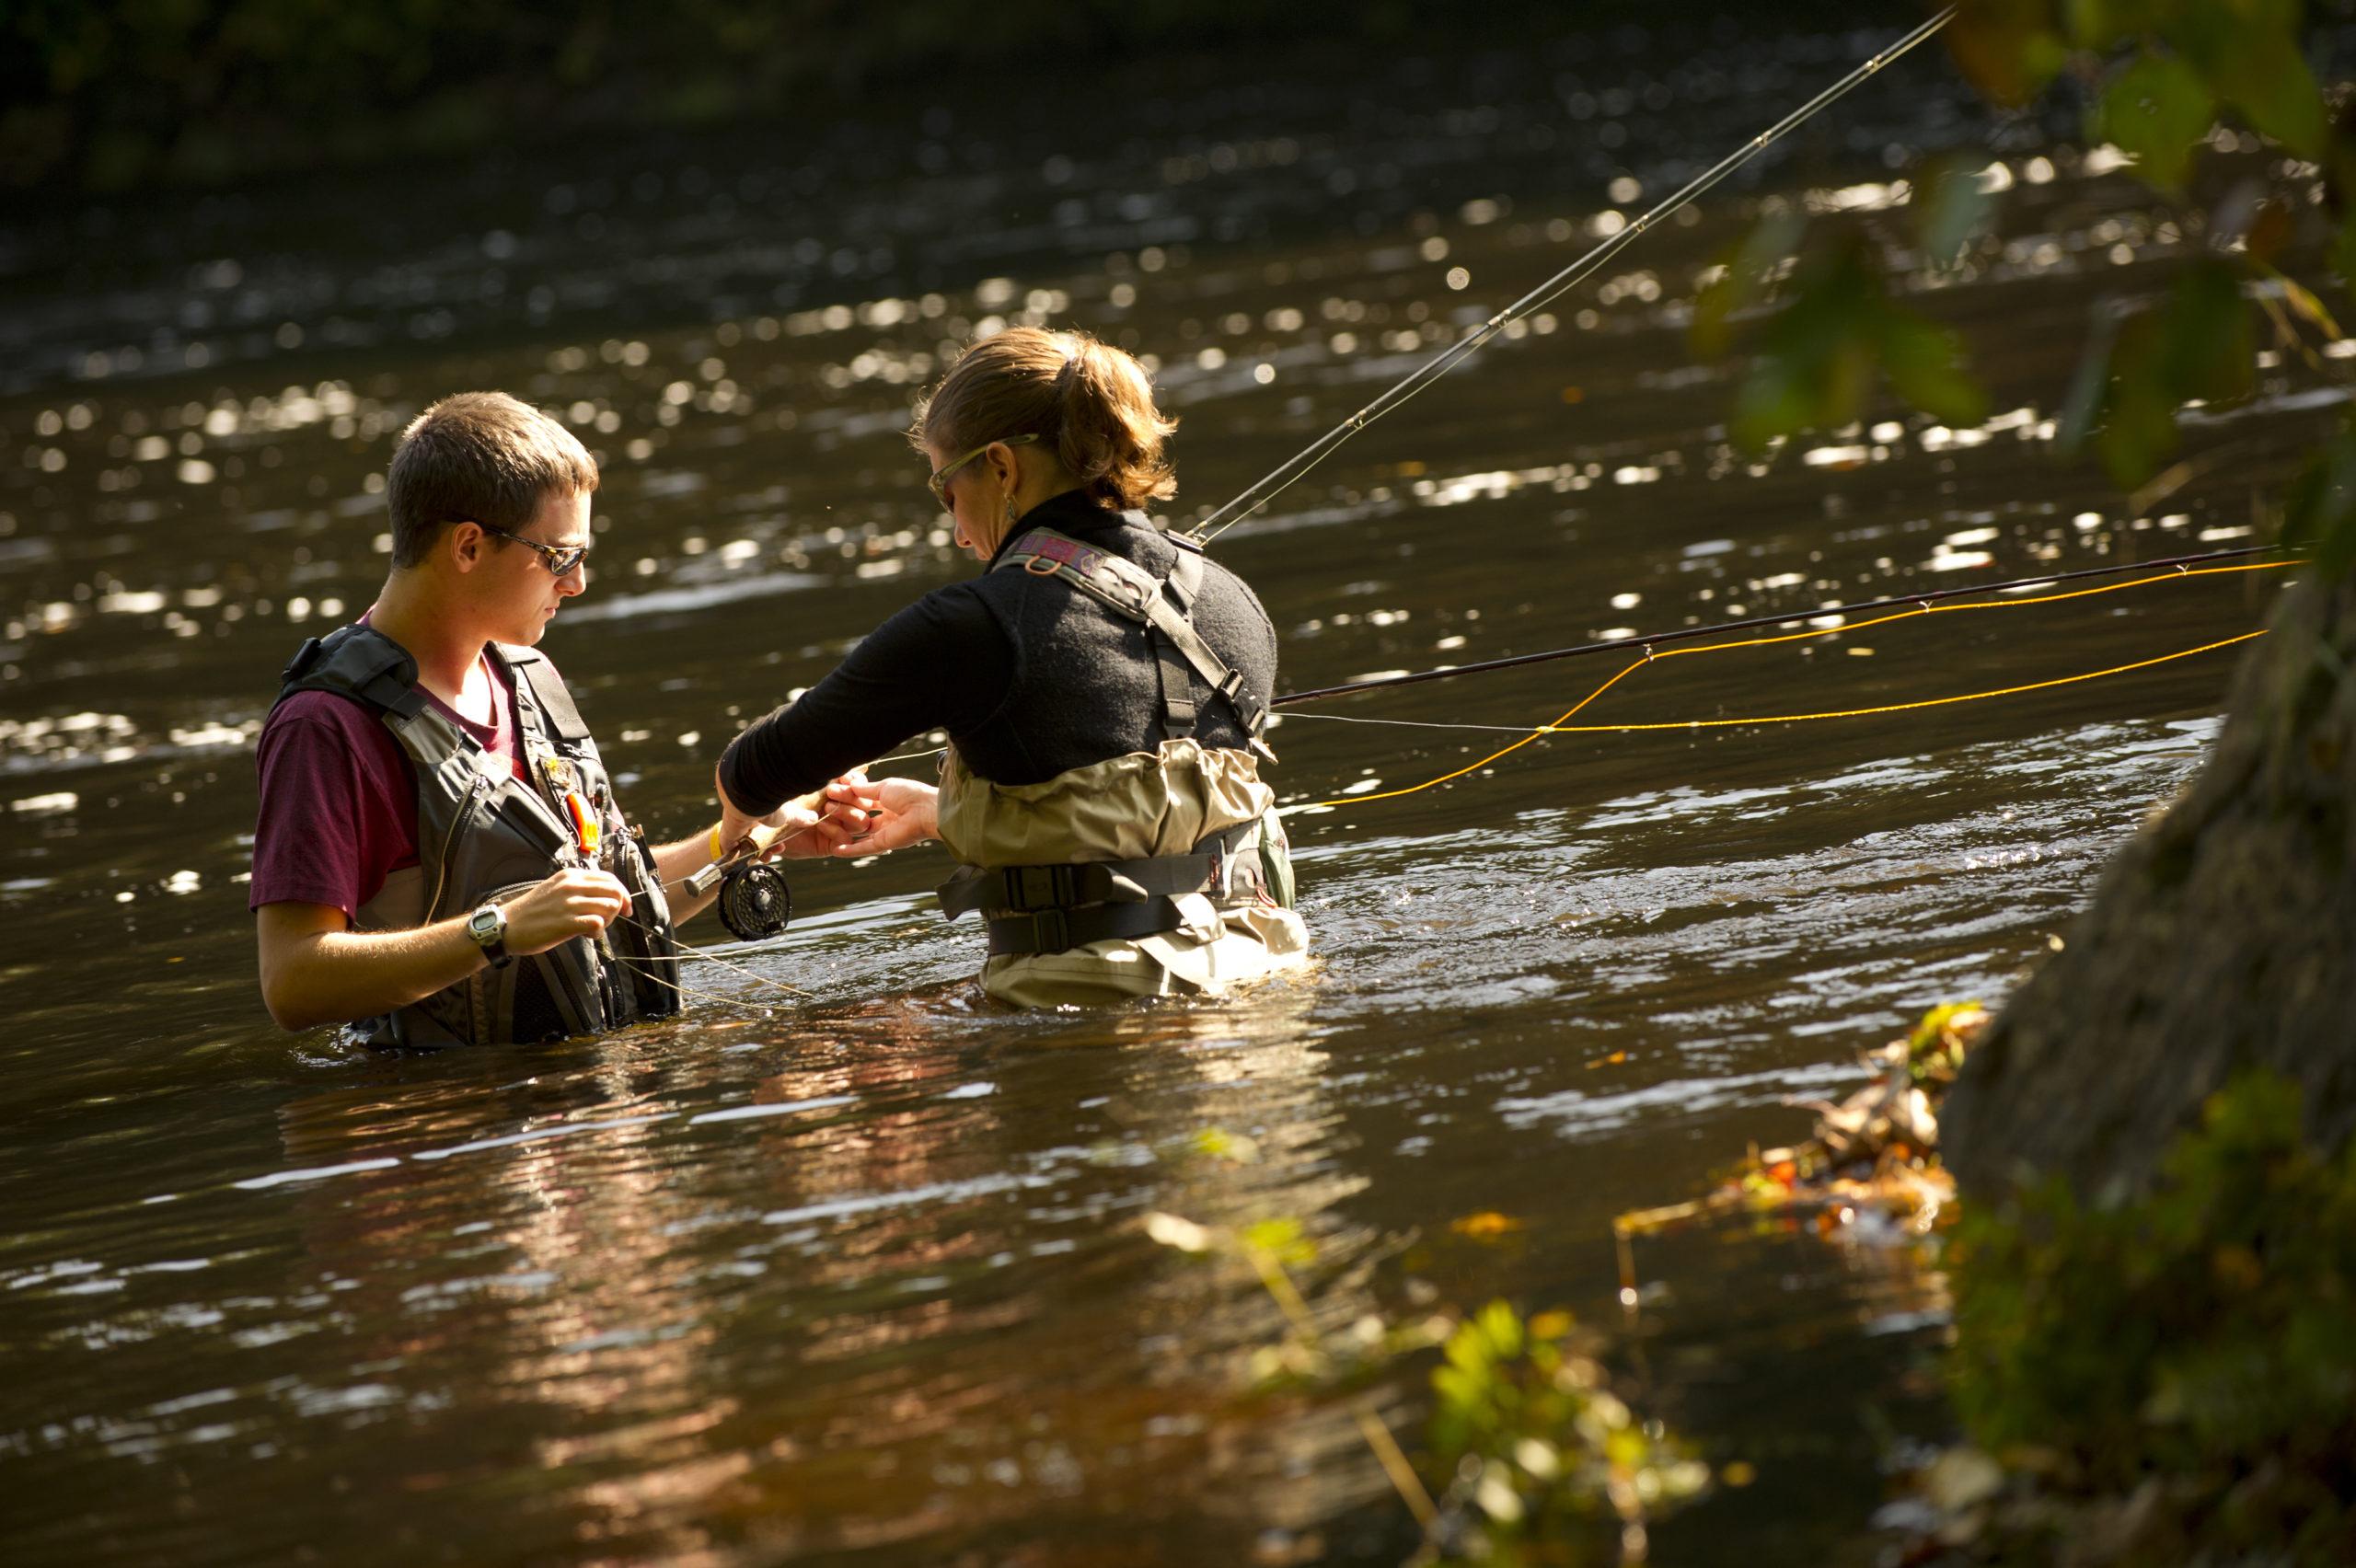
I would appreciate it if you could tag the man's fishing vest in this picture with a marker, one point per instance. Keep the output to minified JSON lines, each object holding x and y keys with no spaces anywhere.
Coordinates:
{"x":482,"y":835}
{"x":1143,"y":875}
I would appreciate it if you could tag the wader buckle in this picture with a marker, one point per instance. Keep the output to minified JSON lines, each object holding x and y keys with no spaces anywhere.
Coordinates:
{"x":1030,"y":888}
{"x":1049,"y":932}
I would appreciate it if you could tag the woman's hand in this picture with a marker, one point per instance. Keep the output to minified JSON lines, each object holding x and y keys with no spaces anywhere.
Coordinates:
{"x":898,"y":812}
{"x":818,"y":825}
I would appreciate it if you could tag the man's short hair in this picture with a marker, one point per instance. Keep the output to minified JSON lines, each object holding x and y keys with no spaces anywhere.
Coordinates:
{"x":479,"y":457}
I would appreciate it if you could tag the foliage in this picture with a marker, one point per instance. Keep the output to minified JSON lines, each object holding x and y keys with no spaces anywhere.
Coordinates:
{"x":1540,"y":1449}
{"x":2321,"y":505}
{"x":1816,"y":357}
{"x":2156,"y":75}
{"x":1935,"y":1052}
{"x":1528,"y":1451}
{"x":2202,"y":1332}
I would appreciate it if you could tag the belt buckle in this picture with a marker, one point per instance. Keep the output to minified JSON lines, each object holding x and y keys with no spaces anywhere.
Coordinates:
{"x":1034,"y":888}
{"x":1050,"y":930}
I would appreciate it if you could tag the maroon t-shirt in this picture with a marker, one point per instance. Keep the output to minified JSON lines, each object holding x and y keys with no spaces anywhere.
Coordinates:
{"x":339,"y":796}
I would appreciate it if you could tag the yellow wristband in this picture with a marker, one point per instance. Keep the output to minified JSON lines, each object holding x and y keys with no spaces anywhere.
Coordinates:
{"x":715,"y":841}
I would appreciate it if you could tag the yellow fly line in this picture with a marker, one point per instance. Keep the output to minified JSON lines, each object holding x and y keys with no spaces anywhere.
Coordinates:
{"x":1563,"y":725}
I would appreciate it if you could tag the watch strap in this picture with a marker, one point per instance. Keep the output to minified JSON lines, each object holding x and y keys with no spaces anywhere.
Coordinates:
{"x":496,"y":948}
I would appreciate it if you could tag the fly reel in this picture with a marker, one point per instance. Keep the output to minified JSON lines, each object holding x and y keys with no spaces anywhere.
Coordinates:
{"x":755,"y":901}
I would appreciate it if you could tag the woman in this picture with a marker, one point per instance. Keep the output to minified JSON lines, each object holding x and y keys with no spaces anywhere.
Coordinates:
{"x":1102,"y":684}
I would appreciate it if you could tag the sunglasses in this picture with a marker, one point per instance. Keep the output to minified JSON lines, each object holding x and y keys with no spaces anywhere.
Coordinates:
{"x":558,"y":562}
{"x":938,"y":478}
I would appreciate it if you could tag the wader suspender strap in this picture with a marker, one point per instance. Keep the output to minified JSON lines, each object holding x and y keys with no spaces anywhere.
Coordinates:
{"x":1033,"y":909}
{"x":1135,"y":593}
{"x":1178,"y":714}
{"x":548,"y":689}
{"x":389,"y":682}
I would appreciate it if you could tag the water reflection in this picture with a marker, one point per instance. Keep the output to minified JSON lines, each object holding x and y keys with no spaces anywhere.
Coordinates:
{"x":909,"y":1298}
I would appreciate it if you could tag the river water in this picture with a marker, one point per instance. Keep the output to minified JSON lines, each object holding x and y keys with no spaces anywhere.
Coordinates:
{"x":854,"y":1271}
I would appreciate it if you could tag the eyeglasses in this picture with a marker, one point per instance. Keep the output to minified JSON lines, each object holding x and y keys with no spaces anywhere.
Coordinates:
{"x":939,"y":479}
{"x":558,"y":562}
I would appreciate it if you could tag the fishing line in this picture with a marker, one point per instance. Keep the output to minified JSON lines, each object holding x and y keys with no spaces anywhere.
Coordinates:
{"x":1562,"y":726}
{"x":1272,"y":484}
{"x":688,"y":995}
{"x":1688,"y":634}
{"x":688,"y":950}
{"x":706,"y":956}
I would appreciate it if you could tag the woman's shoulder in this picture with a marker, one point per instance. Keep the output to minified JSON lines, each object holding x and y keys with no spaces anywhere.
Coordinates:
{"x":950,"y":608}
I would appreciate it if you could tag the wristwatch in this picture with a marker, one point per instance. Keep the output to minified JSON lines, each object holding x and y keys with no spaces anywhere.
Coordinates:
{"x":488,"y":927}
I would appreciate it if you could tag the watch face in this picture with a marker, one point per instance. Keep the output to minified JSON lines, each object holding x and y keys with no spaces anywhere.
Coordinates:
{"x":486,"y":925}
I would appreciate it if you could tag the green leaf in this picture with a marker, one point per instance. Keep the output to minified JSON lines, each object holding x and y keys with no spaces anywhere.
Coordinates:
{"x":2081,"y":409}
{"x":2254,"y":63}
{"x":2343,"y":250}
{"x":2007,"y":48}
{"x":2156,"y":110}
{"x":2138,"y":427}
{"x":1925,"y":363}
{"x":1459,"y":1389}
{"x":1502,"y":1328}
{"x":1281,"y":1239}
{"x":1772,"y":401}
{"x":2319,"y":510}
{"x":2210,"y":350}
{"x":1818,"y":356}
{"x":2198,"y":344}
{"x":1744,"y":280}
{"x":1950,"y":209}
{"x":2100,"y":26}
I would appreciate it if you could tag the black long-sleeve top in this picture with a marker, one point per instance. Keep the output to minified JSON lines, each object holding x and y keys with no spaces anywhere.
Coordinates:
{"x":1029,"y":677}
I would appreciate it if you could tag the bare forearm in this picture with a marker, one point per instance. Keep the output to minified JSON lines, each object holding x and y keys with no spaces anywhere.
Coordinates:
{"x":674,"y":864}
{"x":339,"y":976}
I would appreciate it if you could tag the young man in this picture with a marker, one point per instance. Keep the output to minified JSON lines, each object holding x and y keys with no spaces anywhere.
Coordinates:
{"x":439,"y":857}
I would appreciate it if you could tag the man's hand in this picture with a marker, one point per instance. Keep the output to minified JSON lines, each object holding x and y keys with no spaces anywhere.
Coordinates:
{"x":899,"y":812}
{"x":575,"y":902}
{"x":315,"y":970}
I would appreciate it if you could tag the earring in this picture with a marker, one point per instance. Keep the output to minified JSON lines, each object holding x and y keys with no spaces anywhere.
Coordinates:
{"x":1011,"y":512}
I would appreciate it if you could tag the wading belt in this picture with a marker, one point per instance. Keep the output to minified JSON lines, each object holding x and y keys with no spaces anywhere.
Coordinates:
{"x":1050,"y":908}
{"x":1133,"y":593}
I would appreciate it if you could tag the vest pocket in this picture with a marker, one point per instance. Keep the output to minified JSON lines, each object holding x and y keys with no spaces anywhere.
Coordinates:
{"x":542,"y":996}
{"x":554,"y":996}
{"x":522,"y":814}
{"x":1275,"y":858}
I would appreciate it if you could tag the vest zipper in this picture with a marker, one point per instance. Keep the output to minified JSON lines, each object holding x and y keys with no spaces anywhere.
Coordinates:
{"x":442,"y":859}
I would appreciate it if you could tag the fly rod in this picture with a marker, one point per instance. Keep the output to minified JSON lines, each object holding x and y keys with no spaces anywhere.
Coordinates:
{"x":1431,"y":370}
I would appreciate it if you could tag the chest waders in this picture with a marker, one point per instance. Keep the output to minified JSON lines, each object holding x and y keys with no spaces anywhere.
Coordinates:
{"x":1243,"y":865}
{"x":482,"y":835}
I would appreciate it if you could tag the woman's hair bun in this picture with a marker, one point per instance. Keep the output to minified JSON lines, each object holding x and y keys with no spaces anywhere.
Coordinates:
{"x":1087,"y":401}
